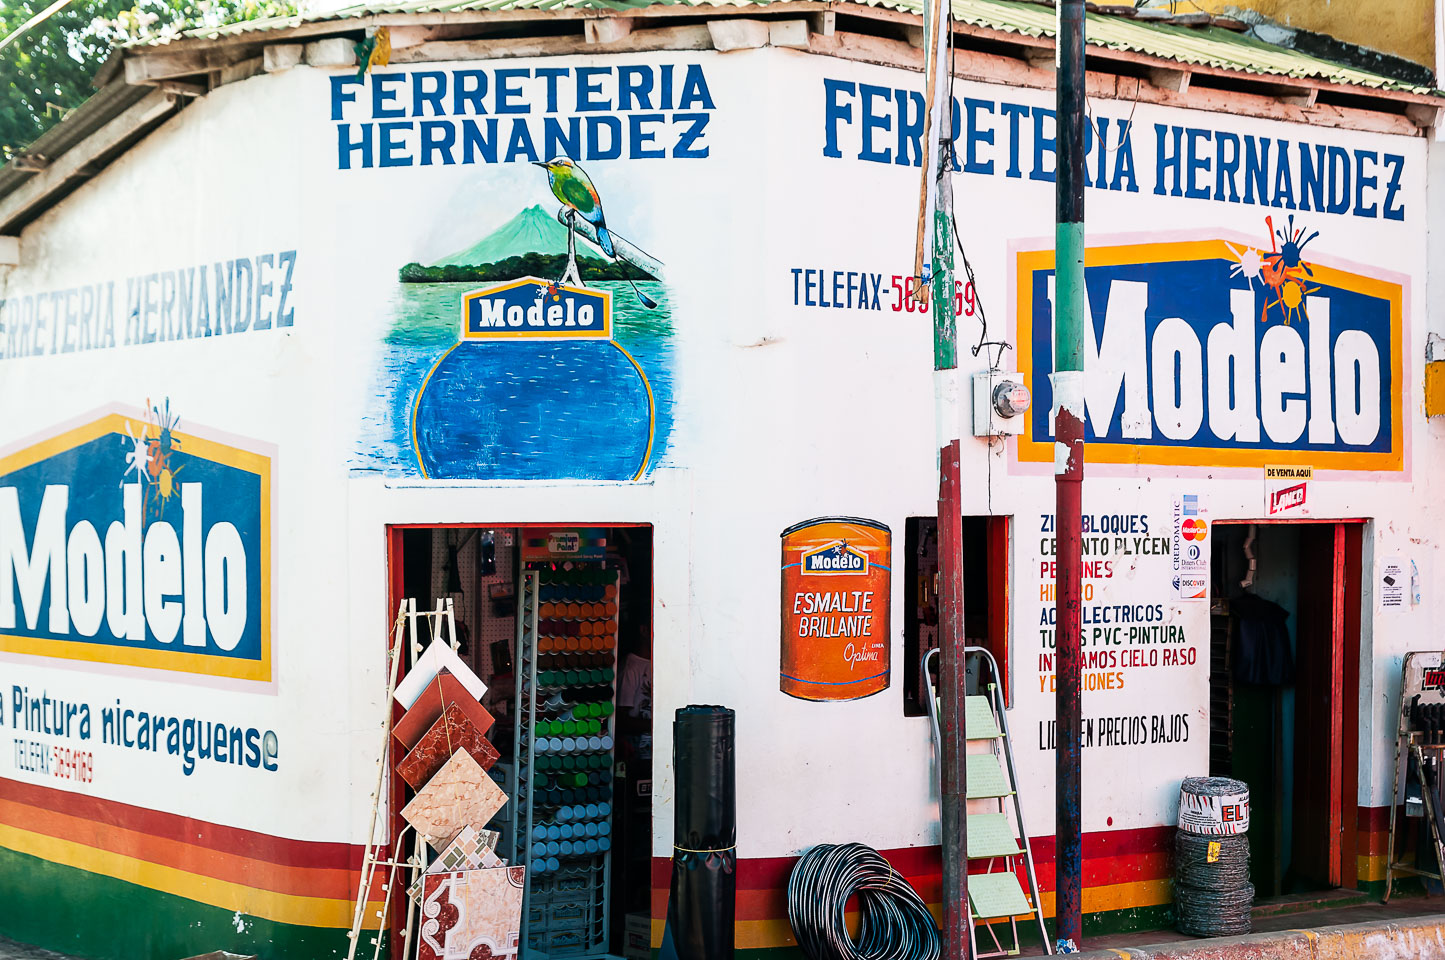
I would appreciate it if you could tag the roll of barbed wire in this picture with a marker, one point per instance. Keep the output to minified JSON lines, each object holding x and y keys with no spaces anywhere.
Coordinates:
{"x":1211,"y":863}
{"x":1213,"y":806}
{"x":894,"y":922}
{"x":1213,"y":913}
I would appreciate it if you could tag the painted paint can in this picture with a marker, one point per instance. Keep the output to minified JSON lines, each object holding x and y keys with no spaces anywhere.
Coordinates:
{"x":837,"y":573}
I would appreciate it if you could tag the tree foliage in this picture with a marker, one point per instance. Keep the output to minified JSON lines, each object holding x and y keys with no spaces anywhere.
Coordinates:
{"x":47,"y":72}
{"x":528,"y":264}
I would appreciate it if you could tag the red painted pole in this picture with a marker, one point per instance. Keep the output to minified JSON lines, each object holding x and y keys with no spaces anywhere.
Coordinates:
{"x":957,"y":932}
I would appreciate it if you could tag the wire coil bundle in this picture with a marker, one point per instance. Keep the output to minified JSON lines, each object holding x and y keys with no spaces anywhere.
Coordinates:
{"x":1211,"y":863}
{"x":1212,"y":892}
{"x":895,"y":923}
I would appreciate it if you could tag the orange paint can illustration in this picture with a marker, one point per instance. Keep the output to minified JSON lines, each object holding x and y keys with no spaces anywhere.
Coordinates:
{"x":836,"y":577}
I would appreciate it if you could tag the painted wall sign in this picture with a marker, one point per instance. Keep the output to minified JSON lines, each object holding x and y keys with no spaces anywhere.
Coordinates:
{"x":1189,"y":549}
{"x":836,"y":577}
{"x":126,"y":541}
{"x":1286,"y":490}
{"x":1222,"y":353}
{"x":1002,"y":138}
{"x":517,"y":115}
{"x":206,"y":300}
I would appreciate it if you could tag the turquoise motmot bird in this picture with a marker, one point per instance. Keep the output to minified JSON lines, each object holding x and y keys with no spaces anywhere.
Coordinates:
{"x":572,"y":186}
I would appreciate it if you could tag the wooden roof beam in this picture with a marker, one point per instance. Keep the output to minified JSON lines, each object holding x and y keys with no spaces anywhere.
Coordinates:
{"x":79,"y":162}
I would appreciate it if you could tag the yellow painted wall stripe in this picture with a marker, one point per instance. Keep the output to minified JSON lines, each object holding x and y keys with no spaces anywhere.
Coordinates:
{"x":248,"y":901}
{"x":761,"y":934}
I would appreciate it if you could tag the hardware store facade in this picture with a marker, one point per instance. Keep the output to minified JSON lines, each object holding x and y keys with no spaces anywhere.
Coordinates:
{"x":305,"y":350}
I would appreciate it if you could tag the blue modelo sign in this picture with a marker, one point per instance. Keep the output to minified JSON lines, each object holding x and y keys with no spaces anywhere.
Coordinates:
{"x":1219,"y":353}
{"x":127,"y":541}
{"x":533,"y":308}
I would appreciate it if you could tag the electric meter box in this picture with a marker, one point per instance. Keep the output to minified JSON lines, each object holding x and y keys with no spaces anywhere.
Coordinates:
{"x":1000,"y":403}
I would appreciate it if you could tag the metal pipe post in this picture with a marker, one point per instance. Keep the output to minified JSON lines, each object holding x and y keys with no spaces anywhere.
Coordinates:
{"x":953,"y":741}
{"x":1068,"y":387}
{"x":957,"y":929}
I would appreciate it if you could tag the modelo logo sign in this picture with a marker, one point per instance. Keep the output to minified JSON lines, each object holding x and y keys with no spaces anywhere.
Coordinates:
{"x":126,"y":541}
{"x":1223,"y":353}
{"x":834,"y":560}
{"x":533,"y":308}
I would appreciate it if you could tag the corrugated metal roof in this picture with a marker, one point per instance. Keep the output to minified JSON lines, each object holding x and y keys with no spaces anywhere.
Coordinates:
{"x":1202,"y":46}
{"x":90,"y":116}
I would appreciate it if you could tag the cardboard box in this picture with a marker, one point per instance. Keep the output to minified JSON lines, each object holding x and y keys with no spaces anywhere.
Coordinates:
{"x":637,"y":937}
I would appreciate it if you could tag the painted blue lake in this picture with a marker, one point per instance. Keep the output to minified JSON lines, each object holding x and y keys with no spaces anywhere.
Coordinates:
{"x":518,"y":410}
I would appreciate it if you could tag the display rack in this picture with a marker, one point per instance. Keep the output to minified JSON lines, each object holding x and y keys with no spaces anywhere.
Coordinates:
{"x":566,"y":692}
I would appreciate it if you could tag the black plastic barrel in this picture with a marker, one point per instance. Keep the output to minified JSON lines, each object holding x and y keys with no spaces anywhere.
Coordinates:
{"x":701,"y":904}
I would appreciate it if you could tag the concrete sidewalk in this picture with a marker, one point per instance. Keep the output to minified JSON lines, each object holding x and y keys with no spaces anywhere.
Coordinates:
{"x":1415,"y":937}
{"x":10,"y":950}
{"x":1323,"y":925}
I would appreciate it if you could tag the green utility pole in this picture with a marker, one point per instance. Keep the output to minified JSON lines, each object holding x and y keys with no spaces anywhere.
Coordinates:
{"x":1068,"y":388}
{"x":953,"y":740}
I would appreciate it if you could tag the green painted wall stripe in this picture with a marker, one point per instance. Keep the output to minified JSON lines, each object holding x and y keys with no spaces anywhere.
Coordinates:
{"x":101,"y":918}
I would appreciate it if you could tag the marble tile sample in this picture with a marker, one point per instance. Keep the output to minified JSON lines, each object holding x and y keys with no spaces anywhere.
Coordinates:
{"x":471,"y":914}
{"x":460,"y":795}
{"x":451,"y":732}
{"x":443,"y":691}
{"x":467,"y":852}
{"x":436,"y":657}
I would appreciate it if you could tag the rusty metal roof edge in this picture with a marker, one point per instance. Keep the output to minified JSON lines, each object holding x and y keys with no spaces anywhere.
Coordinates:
{"x":1021,"y":18}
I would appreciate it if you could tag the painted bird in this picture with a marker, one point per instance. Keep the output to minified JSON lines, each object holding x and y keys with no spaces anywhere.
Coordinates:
{"x":572,"y":186}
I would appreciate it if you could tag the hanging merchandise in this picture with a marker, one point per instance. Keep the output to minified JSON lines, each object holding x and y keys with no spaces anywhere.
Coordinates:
{"x":487,"y":564}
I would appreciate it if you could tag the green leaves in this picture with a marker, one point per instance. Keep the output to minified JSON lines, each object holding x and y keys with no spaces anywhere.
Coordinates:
{"x":46,"y":73}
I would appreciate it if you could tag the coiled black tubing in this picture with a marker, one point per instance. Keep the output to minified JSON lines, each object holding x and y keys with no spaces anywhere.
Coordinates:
{"x":1192,"y":866}
{"x":895,"y":923}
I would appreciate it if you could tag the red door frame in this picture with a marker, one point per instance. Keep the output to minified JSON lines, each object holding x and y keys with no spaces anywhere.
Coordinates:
{"x":396,"y":588}
{"x":1345,"y":612}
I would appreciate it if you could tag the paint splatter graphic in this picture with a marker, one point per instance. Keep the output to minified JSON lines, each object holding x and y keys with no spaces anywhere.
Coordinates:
{"x":149,"y":455}
{"x":1283,"y":271}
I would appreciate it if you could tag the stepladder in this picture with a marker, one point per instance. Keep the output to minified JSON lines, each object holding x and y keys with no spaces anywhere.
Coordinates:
{"x":1002,"y":883}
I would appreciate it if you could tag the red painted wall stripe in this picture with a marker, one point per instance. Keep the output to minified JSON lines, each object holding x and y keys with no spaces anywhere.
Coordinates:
{"x":200,"y":833}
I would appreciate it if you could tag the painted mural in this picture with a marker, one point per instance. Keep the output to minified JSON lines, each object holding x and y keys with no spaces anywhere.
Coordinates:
{"x":1227,"y":349}
{"x":542,"y":351}
{"x":124,"y":540}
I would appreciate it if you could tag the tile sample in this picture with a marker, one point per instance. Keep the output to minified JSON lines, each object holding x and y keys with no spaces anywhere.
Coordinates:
{"x":467,"y":852}
{"x":471,"y":914}
{"x":460,"y":795}
{"x":444,"y":691}
{"x":436,"y":657}
{"x":452,"y":732}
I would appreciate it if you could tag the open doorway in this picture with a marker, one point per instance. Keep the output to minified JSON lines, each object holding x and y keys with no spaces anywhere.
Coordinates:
{"x":557,"y":622}
{"x":1284,"y":694}
{"x":986,"y":599}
